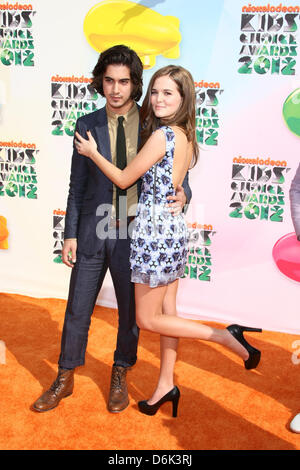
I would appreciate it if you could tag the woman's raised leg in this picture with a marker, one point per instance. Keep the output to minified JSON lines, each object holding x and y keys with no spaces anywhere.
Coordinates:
{"x":149,"y":316}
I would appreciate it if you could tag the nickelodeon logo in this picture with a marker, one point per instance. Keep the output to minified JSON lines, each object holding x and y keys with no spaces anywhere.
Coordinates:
{"x":270,"y":9}
{"x":195,"y":225}
{"x":260,"y":161}
{"x":18,"y":144}
{"x":59,"y":212}
{"x":72,"y":79}
{"x":3,"y":233}
{"x":204,"y":84}
{"x":15,"y":6}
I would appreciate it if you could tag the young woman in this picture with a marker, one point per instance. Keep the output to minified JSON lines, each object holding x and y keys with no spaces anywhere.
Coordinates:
{"x":159,"y":239}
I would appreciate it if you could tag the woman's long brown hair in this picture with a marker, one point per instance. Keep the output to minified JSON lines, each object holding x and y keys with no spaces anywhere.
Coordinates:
{"x":185,"y":116}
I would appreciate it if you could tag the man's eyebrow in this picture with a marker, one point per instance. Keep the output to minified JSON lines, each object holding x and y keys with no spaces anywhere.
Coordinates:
{"x":120,"y":79}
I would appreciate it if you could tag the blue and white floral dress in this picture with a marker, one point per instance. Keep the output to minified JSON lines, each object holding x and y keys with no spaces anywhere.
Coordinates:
{"x":159,"y":239}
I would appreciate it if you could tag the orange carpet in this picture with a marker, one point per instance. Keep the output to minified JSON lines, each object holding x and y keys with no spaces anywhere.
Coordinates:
{"x":222,"y":405}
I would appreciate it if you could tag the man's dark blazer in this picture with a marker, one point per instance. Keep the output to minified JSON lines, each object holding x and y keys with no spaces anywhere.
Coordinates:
{"x":89,"y":187}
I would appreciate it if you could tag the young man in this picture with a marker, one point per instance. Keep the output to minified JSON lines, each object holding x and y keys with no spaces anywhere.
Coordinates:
{"x":95,"y":224}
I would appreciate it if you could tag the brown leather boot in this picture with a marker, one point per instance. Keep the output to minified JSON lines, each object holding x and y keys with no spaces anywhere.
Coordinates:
{"x":118,"y":394}
{"x":62,"y":387}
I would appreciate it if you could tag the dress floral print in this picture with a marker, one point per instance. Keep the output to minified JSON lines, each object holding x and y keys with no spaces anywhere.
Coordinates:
{"x":159,"y":239}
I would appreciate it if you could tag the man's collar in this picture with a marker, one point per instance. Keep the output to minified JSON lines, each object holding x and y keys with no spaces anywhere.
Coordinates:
{"x":126,"y":116}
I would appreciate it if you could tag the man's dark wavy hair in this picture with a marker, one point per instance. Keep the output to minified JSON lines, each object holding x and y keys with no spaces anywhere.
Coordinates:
{"x":122,"y":55}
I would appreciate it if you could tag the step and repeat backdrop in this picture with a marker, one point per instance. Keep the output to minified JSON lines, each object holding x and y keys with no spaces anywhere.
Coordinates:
{"x":244,"y":261}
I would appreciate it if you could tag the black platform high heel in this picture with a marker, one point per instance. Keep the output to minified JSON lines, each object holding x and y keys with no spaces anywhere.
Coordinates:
{"x":254,"y":354}
{"x":172,"y":396}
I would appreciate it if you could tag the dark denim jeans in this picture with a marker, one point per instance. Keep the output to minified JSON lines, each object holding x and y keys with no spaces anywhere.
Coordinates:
{"x":85,"y":284}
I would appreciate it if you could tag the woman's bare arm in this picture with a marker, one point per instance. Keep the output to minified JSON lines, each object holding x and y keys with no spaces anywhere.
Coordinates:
{"x":153,"y":150}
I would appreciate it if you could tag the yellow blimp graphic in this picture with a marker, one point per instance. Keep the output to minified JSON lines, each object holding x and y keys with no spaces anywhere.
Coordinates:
{"x":149,"y":33}
{"x":3,"y":233}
